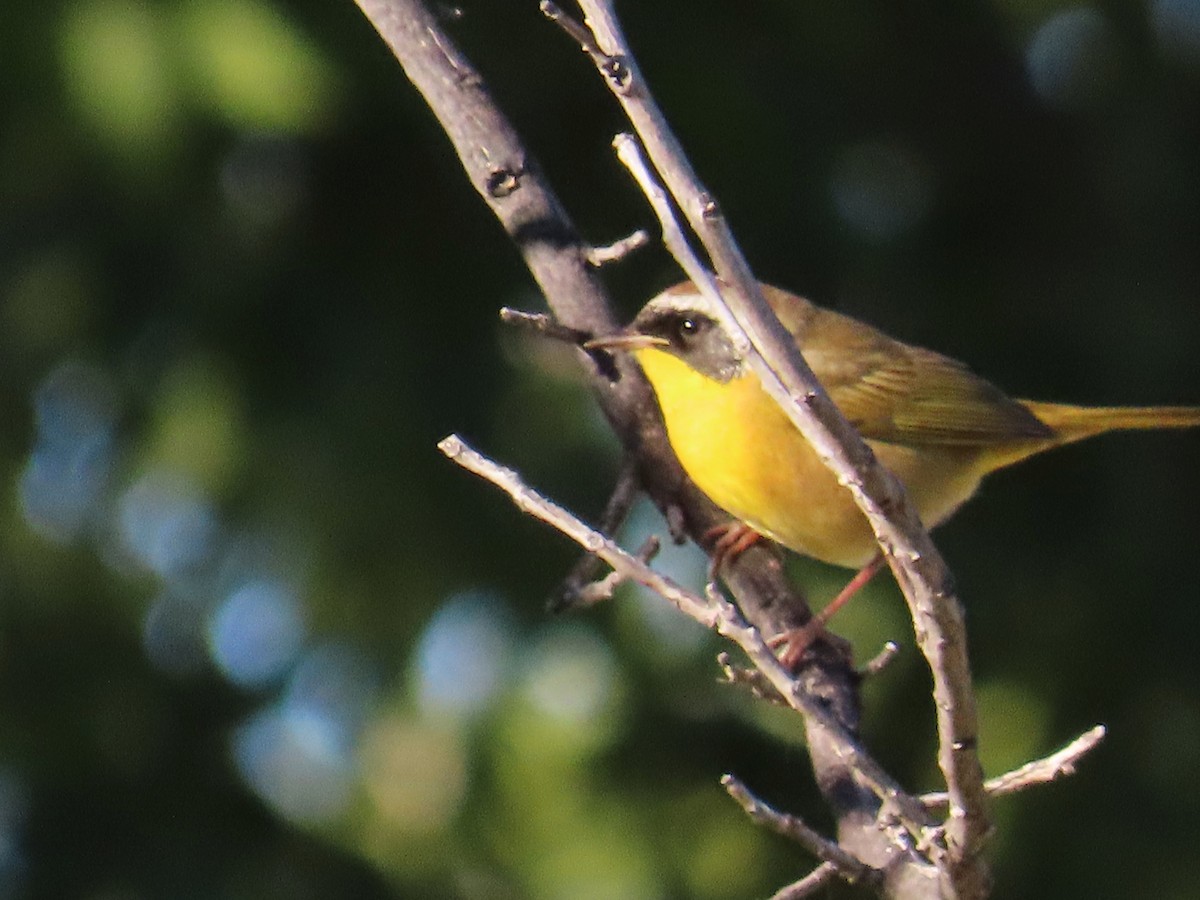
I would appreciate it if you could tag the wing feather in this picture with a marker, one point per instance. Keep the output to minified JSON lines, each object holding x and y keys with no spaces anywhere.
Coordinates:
{"x":891,"y":391}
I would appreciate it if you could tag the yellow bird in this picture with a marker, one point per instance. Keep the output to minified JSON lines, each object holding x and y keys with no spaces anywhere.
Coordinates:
{"x":937,"y":426}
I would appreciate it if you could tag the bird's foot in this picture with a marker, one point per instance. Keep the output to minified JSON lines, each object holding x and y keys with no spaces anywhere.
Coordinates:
{"x":797,"y":641}
{"x":728,"y":542}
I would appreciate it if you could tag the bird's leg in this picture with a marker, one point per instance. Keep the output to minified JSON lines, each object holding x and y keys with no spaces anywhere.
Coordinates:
{"x":729,"y":541}
{"x":798,"y":640}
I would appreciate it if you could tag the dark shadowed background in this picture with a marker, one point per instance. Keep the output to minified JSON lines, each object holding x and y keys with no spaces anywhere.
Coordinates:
{"x":258,"y":639}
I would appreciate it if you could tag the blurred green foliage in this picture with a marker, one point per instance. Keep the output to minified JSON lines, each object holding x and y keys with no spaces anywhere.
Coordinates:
{"x":257,"y":639}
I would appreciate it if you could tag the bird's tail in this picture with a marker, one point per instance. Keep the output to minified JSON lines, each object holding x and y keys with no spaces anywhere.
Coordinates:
{"x":1074,"y":423}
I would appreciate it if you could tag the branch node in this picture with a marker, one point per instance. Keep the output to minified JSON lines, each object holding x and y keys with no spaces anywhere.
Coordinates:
{"x":576,"y":30}
{"x":572,"y":597}
{"x":613,"y":66}
{"x":502,"y":182}
{"x":449,"y":12}
{"x":616,"y":70}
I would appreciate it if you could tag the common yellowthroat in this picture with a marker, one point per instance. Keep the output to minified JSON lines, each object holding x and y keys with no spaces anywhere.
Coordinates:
{"x":937,"y":426}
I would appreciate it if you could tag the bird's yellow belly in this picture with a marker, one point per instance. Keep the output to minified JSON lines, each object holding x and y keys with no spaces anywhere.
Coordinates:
{"x":744,"y":453}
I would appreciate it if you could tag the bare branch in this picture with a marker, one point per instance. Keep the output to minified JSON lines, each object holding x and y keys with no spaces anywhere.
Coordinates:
{"x":530,"y":501}
{"x":848,"y":867}
{"x":760,"y":339}
{"x":509,"y":180}
{"x":1054,"y":767}
{"x":721,"y":616}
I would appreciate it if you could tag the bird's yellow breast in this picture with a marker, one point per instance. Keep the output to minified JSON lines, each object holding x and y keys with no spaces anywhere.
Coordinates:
{"x":747,"y":456}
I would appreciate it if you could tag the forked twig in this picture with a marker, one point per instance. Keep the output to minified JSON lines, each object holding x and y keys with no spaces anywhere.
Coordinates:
{"x":1057,"y":765}
{"x":848,"y":867}
{"x":583,"y":585}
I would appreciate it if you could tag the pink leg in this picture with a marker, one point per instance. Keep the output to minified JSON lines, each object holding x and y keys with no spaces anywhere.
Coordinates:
{"x":799,"y":639}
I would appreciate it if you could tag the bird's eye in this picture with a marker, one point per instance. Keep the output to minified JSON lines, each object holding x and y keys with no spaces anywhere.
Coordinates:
{"x":687,"y":327}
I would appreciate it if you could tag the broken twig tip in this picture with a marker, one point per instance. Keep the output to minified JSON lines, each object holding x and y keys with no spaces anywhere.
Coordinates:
{"x":451,"y":446}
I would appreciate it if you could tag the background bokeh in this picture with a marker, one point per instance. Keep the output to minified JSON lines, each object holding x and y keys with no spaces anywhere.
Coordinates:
{"x":258,"y":639}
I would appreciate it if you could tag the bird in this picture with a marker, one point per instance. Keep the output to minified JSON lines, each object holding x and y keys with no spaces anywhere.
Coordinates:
{"x":935,"y":424}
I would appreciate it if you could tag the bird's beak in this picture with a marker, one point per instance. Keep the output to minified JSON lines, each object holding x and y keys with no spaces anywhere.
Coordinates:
{"x":625,"y":340}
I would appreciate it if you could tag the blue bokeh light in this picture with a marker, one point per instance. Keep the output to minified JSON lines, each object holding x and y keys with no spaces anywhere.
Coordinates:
{"x":65,"y":481}
{"x":256,"y":633}
{"x":167,"y":524}
{"x":675,"y":636}
{"x":298,"y":761}
{"x":880,"y":189}
{"x":61,"y":487}
{"x":1176,"y":24}
{"x":569,"y":674}
{"x":1072,"y":59}
{"x":337,"y":681}
{"x":74,"y":401}
{"x":300,"y":753}
{"x":463,"y":655}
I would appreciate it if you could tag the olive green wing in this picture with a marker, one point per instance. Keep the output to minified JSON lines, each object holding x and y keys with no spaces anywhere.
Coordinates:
{"x":894,"y":392}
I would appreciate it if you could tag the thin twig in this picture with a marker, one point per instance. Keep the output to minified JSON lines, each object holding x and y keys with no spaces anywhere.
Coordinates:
{"x":531,"y":502}
{"x":581,"y":596}
{"x":882,"y":659}
{"x":576,"y":30}
{"x":544,"y":325}
{"x":549,"y":327}
{"x":618,"y":250}
{"x":750,"y":678}
{"x":807,"y":886}
{"x":849,"y":867}
{"x":580,"y":588}
{"x":674,"y":238}
{"x":1058,"y":765}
